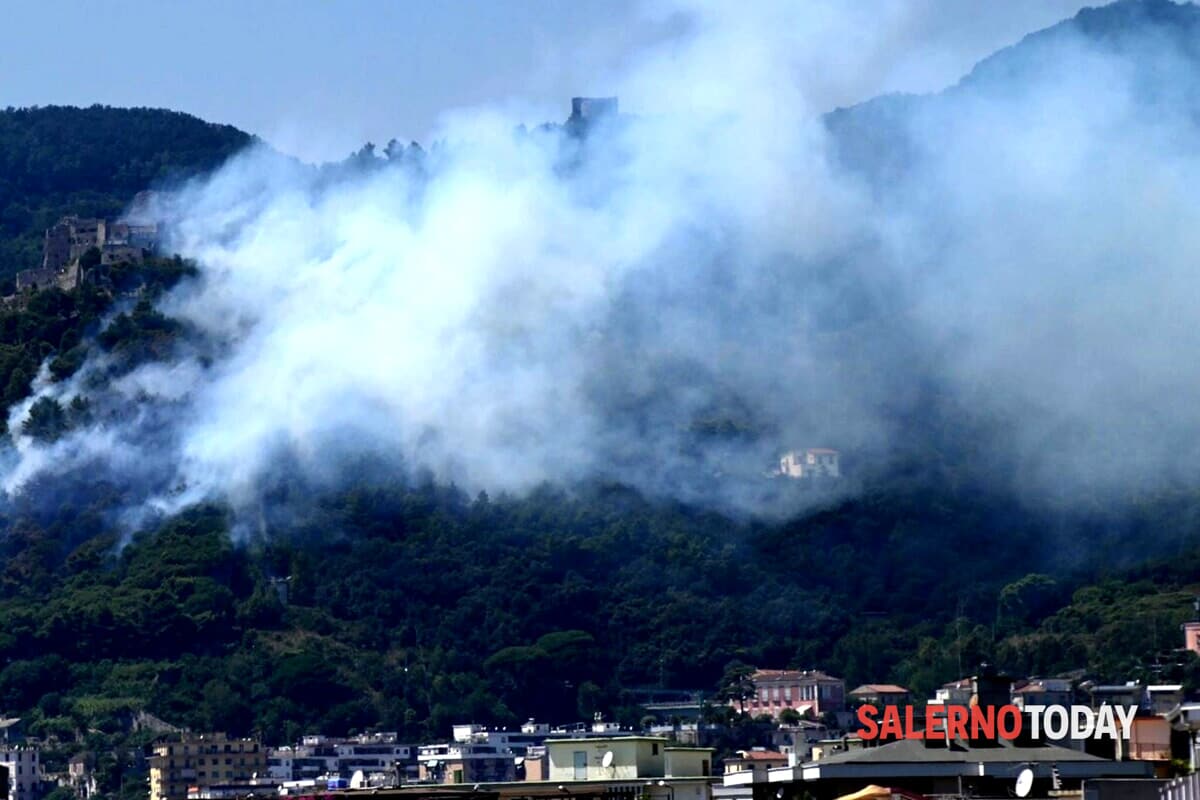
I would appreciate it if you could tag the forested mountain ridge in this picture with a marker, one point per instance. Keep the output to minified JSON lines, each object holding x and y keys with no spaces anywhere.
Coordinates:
{"x":1156,"y":42}
{"x":411,"y":605}
{"x":59,"y":160}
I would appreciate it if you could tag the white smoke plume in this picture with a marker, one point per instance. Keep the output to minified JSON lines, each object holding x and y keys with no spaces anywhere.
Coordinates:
{"x":676,"y":297}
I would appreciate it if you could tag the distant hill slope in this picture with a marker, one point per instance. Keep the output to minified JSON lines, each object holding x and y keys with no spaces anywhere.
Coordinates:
{"x":56,"y":160}
{"x":1156,"y":41}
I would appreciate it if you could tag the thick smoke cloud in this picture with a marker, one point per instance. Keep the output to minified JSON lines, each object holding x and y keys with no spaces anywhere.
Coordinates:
{"x":672,"y":299}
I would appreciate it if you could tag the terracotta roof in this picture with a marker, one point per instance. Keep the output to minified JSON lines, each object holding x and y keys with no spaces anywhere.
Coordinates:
{"x":880,"y":688}
{"x":961,"y":683}
{"x":767,"y":675}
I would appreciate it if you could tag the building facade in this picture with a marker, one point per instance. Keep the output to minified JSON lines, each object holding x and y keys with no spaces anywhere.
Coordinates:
{"x":815,"y":462}
{"x":67,"y":240}
{"x":202,"y":761}
{"x":624,"y":758}
{"x":465,"y":762}
{"x":811,"y":693}
{"x":81,"y":773}
{"x":880,"y":695}
{"x":320,"y":756}
{"x":24,"y":771}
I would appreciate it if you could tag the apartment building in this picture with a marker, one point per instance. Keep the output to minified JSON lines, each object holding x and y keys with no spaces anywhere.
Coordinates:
{"x":203,"y":761}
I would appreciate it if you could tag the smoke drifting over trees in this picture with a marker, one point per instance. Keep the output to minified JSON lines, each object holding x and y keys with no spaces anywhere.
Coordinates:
{"x":999,"y":277}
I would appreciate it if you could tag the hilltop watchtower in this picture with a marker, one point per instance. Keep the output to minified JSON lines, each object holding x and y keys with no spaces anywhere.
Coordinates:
{"x":591,"y":109}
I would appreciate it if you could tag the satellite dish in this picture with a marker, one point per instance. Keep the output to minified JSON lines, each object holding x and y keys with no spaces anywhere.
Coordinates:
{"x":1024,"y":782}
{"x":358,"y":780}
{"x":606,"y":762}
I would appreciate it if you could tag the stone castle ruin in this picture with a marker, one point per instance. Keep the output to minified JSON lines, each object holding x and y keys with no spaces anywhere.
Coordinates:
{"x":71,"y":237}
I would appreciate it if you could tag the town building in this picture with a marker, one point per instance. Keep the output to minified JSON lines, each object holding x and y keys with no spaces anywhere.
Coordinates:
{"x":1044,"y":692}
{"x":959,"y":768}
{"x":690,"y":733}
{"x":234,"y":791}
{"x":531,"y":734}
{"x":1149,"y":740}
{"x":465,"y":762}
{"x":815,"y":462}
{"x":24,"y":766}
{"x":811,"y":693}
{"x":955,"y":693}
{"x":696,"y":788}
{"x":1191,"y":636}
{"x":534,"y":765}
{"x":753,"y":764}
{"x":835,"y":745}
{"x":202,"y":761}
{"x":796,"y":740}
{"x":81,"y":776}
{"x":688,"y":762}
{"x":988,"y":688}
{"x":880,"y":695}
{"x":320,"y":756}
{"x":624,"y":758}
{"x":1117,"y":694}
{"x":1161,"y":698}
{"x":1185,"y":720}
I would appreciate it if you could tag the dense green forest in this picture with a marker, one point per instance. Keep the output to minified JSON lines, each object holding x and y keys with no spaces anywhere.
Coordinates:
{"x":58,"y":160}
{"x":414,"y":608}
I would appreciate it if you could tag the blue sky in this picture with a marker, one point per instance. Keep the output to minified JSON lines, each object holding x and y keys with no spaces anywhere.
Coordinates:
{"x":317,"y":79}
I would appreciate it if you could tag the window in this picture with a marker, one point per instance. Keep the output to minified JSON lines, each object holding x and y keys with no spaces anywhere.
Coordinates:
{"x":654,"y":748}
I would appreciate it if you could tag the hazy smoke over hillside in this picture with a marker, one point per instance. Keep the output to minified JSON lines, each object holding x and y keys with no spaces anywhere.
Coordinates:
{"x":674,"y":299}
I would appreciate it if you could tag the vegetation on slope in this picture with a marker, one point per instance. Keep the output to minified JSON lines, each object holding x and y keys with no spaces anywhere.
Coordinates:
{"x":58,"y":160}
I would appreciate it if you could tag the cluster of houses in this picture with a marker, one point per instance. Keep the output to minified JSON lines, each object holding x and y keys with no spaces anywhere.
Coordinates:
{"x":800,"y":737}
{"x":809,"y":746}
